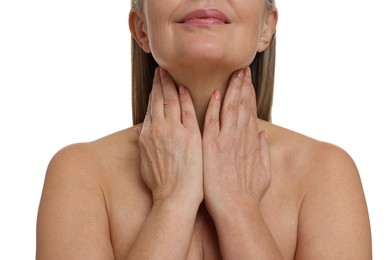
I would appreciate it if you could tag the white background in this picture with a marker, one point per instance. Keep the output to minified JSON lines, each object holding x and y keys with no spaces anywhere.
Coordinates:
{"x":65,"y":78}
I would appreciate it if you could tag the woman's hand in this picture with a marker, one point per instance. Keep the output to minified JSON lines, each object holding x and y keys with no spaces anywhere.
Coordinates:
{"x":170,"y":143}
{"x":236,"y":156}
{"x":237,"y":172}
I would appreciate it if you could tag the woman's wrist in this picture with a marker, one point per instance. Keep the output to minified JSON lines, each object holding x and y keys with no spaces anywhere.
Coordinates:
{"x":167,"y":231}
{"x":240,"y":221}
{"x":231,"y":204}
{"x":178,"y":204}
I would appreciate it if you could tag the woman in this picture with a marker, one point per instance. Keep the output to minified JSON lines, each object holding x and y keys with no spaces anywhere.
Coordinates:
{"x":203,"y":174}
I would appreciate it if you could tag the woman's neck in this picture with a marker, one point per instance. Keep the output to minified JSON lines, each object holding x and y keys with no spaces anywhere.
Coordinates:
{"x":202,"y":86}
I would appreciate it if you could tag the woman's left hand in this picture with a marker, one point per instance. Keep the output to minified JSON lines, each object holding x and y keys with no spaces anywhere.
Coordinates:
{"x":236,"y":156}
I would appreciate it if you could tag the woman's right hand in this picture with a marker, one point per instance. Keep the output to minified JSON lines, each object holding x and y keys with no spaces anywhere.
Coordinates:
{"x":170,"y":143}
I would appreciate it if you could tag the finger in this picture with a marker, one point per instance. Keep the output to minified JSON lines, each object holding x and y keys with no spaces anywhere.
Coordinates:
{"x":157,"y":99}
{"x":171,"y":98}
{"x":188,"y":116}
{"x":212,"y":126}
{"x":247,"y":116}
{"x":265,"y":155}
{"x":230,"y":107}
{"x":148,"y":118}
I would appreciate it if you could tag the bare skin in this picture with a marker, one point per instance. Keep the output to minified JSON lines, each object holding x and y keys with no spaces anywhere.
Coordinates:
{"x":99,"y":202}
{"x":203,"y":177}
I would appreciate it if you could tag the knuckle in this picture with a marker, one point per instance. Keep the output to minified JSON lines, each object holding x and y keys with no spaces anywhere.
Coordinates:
{"x":246,"y":104}
{"x":233,"y":107}
{"x":212,"y":120}
{"x":171,"y":103}
{"x":186,"y":115}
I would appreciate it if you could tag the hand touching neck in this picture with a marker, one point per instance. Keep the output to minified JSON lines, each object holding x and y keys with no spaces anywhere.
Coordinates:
{"x":201,"y":86}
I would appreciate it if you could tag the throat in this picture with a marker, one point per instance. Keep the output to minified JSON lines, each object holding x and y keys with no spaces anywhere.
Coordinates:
{"x":201,"y":88}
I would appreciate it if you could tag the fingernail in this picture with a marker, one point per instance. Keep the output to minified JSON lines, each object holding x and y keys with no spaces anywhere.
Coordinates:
{"x":239,"y":74}
{"x":247,"y":71}
{"x":217,"y":94}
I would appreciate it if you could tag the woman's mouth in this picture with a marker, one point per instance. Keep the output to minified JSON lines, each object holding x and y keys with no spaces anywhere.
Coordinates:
{"x":202,"y":16}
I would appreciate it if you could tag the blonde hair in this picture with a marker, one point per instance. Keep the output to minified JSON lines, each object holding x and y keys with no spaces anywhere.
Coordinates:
{"x":143,"y":66}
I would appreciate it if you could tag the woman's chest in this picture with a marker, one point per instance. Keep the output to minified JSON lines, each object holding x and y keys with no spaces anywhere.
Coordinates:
{"x":129,"y":206}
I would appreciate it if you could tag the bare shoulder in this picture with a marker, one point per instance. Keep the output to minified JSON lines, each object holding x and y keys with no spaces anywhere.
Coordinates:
{"x":317,"y":162}
{"x":93,"y":160}
{"x":333,"y":216}
{"x":72,"y":218}
{"x":314,"y":158}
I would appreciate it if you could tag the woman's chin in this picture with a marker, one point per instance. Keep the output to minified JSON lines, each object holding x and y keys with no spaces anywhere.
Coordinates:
{"x":207,"y":59}
{"x":204,"y":57}
{"x":205,"y":53}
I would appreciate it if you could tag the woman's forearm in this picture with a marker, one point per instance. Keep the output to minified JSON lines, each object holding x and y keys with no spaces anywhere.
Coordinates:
{"x":244,"y":234}
{"x":167,"y":231}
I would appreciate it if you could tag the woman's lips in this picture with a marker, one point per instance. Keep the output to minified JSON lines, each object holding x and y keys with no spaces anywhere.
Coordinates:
{"x":208,"y":16}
